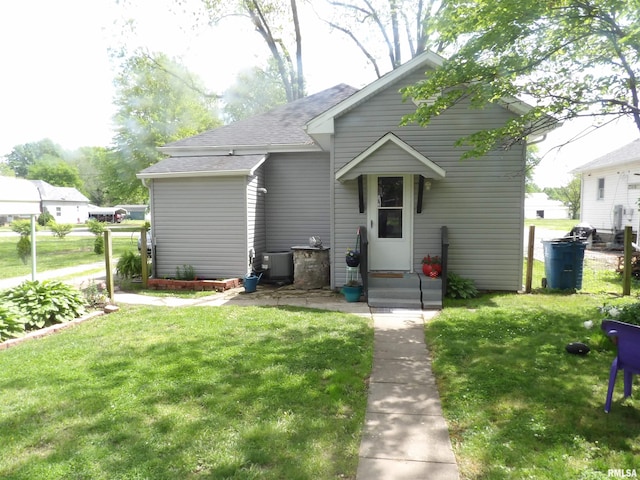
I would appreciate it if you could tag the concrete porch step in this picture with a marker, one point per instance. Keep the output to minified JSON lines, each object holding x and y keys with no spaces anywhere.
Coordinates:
{"x":410,"y":291}
{"x":395,"y":298}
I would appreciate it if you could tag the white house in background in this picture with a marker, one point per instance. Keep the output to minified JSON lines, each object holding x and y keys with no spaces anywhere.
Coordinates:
{"x":539,"y":205}
{"x":66,"y":204}
{"x":610,"y":190}
{"x":18,"y":197}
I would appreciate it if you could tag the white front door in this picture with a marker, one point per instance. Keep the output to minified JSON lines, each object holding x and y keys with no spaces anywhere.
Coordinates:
{"x":389,"y":215}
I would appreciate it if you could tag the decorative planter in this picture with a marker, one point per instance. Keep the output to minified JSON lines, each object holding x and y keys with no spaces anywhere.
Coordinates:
{"x":200,"y":285}
{"x":432,"y":270}
{"x":353,"y":260}
{"x":352,"y":293}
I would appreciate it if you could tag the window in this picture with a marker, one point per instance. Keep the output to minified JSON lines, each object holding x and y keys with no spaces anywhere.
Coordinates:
{"x":600,"y":188}
{"x":58,"y":211}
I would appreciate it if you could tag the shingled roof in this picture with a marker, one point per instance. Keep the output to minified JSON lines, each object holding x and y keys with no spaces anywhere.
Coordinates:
{"x":628,"y":153}
{"x":283,"y":125}
{"x":61,"y":194}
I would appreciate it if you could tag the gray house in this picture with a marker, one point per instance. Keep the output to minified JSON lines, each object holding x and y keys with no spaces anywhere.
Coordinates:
{"x":331,"y":163}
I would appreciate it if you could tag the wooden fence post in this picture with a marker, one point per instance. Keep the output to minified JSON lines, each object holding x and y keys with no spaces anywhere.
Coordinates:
{"x":626,"y":275}
{"x":143,"y":257}
{"x":530,"y":249}
{"x":108,"y":263}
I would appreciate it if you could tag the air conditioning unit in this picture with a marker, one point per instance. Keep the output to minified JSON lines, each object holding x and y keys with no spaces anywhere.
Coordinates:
{"x":278,"y":266}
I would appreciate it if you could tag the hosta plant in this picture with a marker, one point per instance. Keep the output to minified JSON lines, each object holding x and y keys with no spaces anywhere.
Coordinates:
{"x":11,"y":321}
{"x":45,"y":303}
{"x":459,"y":287}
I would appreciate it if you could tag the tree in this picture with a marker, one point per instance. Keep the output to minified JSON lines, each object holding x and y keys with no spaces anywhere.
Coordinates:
{"x":156,"y":105}
{"x":278,"y":24}
{"x":23,"y":156}
{"x":55,"y":171}
{"x":390,"y":26}
{"x":89,"y":162}
{"x":569,"y":195}
{"x":254,"y":92}
{"x":573,"y":58}
{"x":6,"y":170}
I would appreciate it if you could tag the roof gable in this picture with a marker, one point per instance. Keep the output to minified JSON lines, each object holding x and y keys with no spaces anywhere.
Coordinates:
{"x":322,"y":127}
{"x":626,"y":154}
{"x":356,"y":167}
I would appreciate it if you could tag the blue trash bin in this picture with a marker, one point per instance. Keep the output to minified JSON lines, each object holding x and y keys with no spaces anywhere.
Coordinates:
{"x":563,"y":264}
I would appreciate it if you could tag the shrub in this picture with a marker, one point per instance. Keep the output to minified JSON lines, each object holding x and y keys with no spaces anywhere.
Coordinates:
{"x":185,"y":273}
{"x":60,"y":230}
{"x":11,"y":321}
{"x":24,"y":248}
{"x":95,"y":226}
{"x":45,"y":303}
{"x":45,"y":219}
{"x":94,"y":294}
{"x":22,"y":227}
{"x":129,"y":265}
{"x":98,"y":245}
{"x":459,"y":287}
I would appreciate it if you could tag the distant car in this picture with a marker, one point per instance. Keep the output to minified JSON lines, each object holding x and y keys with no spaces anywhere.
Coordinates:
{"x":149,"y":246}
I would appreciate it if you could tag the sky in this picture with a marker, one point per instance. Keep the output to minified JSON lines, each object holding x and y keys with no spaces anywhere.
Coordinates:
{"x":57,"y":73}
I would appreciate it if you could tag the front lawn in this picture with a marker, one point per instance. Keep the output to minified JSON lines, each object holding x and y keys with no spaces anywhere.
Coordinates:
{"x":519,"y":406}
{"x":161,"y":393}
{"x":53,"y":253}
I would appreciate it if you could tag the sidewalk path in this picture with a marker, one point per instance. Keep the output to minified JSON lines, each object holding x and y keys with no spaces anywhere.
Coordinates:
{"x":405,"y":435}
{"x":49,"y":274}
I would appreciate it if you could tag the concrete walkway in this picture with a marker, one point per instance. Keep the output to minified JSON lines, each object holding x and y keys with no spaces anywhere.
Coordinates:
{"x":405,"y":436}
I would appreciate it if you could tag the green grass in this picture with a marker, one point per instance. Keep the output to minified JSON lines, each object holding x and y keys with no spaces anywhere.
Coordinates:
{"x":53,"y":253}
{"x":519,"y":406}
{"x":551,"y":224}
{"x":161,"y":393}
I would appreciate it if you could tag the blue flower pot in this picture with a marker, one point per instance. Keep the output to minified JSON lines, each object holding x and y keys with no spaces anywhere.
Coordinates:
{"x":352,"y":293}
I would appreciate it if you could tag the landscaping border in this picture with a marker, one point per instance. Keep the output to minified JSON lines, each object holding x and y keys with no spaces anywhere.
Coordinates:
{"x":43,"y":332}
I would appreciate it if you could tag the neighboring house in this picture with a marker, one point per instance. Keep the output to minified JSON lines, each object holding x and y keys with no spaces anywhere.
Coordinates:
{"x":539,"y":205}
{"x":65,"y":204}
{"x":329,"y":163}
{"x":610,"y":190}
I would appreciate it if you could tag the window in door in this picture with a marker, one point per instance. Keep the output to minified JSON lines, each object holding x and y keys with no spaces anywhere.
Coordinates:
{"x":390,"y":195}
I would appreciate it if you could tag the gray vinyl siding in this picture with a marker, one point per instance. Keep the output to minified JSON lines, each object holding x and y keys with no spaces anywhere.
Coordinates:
{"x":297,"y":199}
{"x":256,"y":211}
{"x":200,"y":222}
{"x":481,"y":201}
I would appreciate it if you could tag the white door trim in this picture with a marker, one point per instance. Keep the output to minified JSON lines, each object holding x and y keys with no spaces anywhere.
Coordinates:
{"x":390,"y":254}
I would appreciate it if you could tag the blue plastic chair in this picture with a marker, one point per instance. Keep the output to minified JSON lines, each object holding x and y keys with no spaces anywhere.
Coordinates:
{"x":628,"y":358}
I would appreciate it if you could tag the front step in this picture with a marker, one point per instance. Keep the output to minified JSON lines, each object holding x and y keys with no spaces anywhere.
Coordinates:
{"x":391,"y":297}
{"x":411,"y":291}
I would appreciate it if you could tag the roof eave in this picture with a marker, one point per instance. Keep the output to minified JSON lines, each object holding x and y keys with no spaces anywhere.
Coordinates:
{"x":202,"y":173}
{"x":184,"y":151}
